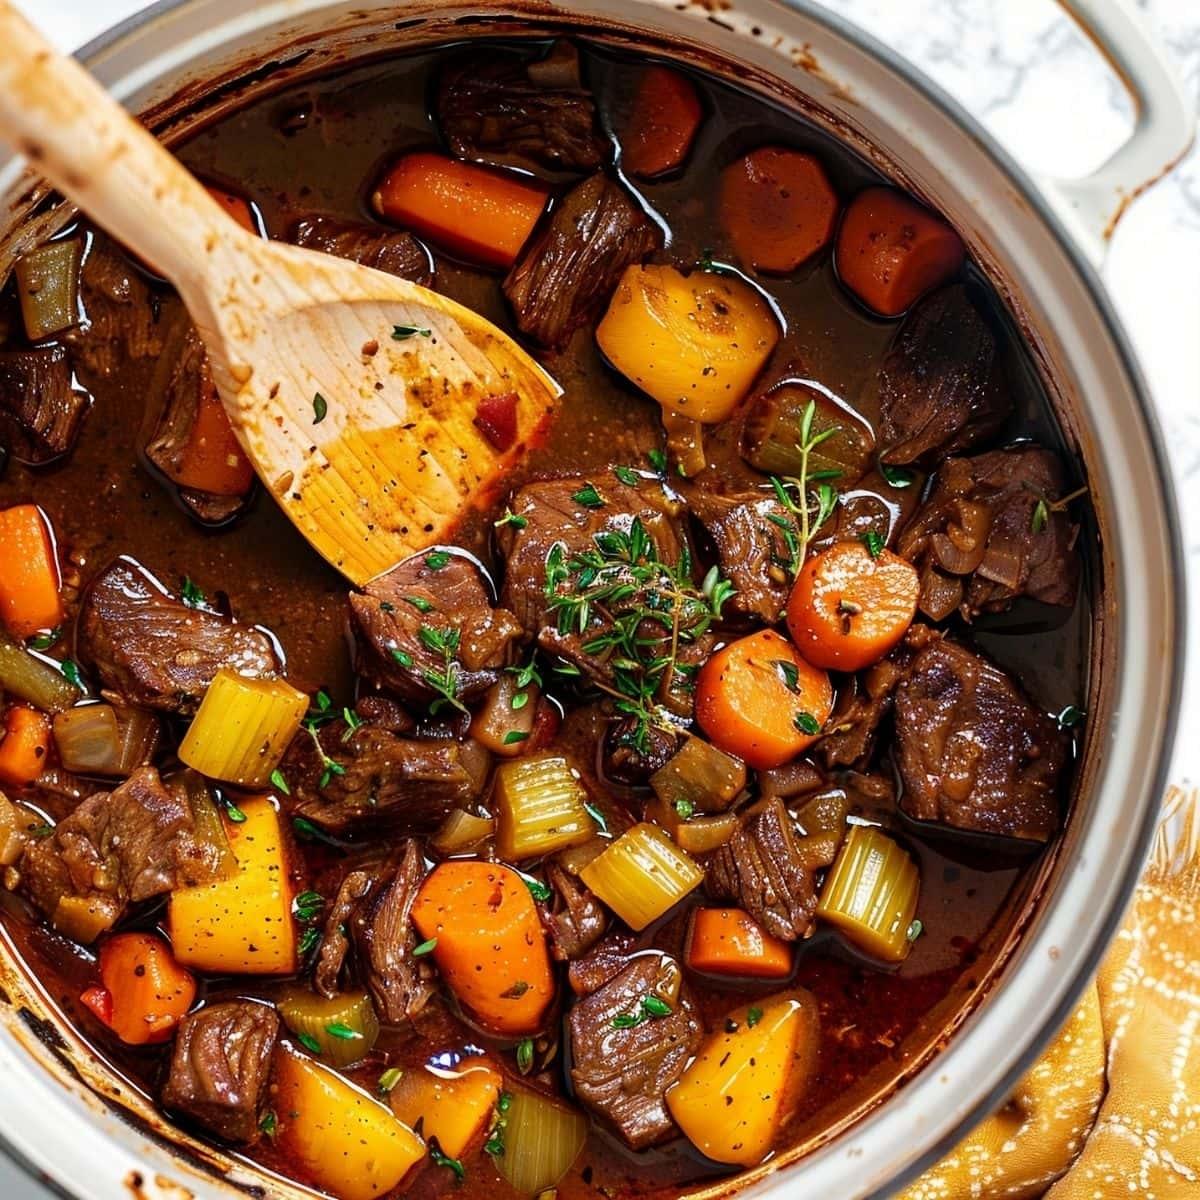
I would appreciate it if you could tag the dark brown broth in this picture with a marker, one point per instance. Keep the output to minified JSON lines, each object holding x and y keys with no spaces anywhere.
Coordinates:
{"x":318,"y":148}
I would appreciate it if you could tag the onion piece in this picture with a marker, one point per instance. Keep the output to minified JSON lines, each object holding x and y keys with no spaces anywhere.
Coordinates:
{"x":462,"y":832}
{"x":504,"y":722}
{"x":28,"y":678}
{"x":101,"y":739}
{"x":342,"y":1031}
{"x":542,"y":1140}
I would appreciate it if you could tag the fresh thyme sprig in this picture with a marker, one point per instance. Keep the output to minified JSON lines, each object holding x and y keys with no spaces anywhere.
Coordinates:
{"x":444,"y":681}
{"x":636,"y":611}
{"x":320,"y":714}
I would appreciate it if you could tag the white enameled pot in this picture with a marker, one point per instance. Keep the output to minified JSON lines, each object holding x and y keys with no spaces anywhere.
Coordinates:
{"x":93,"y":1137}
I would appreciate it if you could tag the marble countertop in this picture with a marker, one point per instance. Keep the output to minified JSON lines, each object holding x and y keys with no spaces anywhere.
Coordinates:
{"x":1025,"y":70}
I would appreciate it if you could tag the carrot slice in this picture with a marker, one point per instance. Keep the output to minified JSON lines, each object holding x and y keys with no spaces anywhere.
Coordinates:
{"x":29,"y":599}
{"x":778,"y":208}
{"x":482,"y":214}
{"x":488,"y":943}
{"x":25,"y":747}
{"x":729,"y":941}
{"x":145,"y":992}
{"x":662,"y":124}
{"x":757,"y":698}
{"x":239,"y":209}
{"x":891,"y":251}
{"x":850,"y":606}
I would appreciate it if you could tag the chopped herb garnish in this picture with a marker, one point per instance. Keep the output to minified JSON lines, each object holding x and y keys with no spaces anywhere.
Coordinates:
{"x":914,"y":931}
{"x":519,"y":700}
{"x":343,"y":1033}
{"x":537,"y":889}
{"x":191,"y":594}
{"x":307,"y":906}
{"x":1070,"y":717}
{"x":658,"y":460}
{"x":232,"y":811}
{"x":511,"y":518}
{"x":386,"y":606}
{"x":1041,"y":516}
{"x":279,"y":783}
{"x":437,"y":559}
{"x":898,"y":477}
{"x":309,"y":1042}
{"x":685,"y":808}
{"x":353,"y":723}
{"x":43,"y":641}
{"x":495,"y":1142}
{"x":790,"y":674}
{"x":588,"y":497}
{"x":269,"y":1124}
{"x":627,"y":1020}
{"x":320,"y":408}
{"x":655,"y":1006}
{"x":651,"y":1008}
{"x":526,"y":673}
{"x":525,"y":1055}
{"x":401,"y":333}
{"x":806,"y":723}
{"x":515,"y":992}
{"x":70,"y":669}
{"x":308,"y":832}
{"x":402,"y":657}
{"x":389,"y":1079}
{"x":310,"y":939}
{"x":513,"y":736}
{"x":45,"y":829}
{"x":873,"y":543}
{"x":753,"y":1016}
{"x":426,"y":947}
{"x":444,"y":680}
{"x":596,"y":815}
{"x":627,"y":475}
{"x":419,"y":603}
{"x":442,"y":1160}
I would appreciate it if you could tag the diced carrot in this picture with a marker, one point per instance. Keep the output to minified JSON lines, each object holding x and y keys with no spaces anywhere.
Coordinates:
{"x":488,"y":943}
{"x":729,"y":941}
{"x":238,"y":208}
{"x":450,"y":1105}
{"x":145,"y":992}
{"x":778,"y":208}
{"x":662,"y":123}
{"x":25,"y":746}
{"x":891,"y":251}
{"x":29,"y":600}
{"x":850,"y":606}
{"x":483,"y":214}
{"x":212,"y":460}
{"x":758,"y":699}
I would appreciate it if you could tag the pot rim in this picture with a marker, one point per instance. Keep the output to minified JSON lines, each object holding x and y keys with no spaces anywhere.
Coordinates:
{"x":1085,"y":270}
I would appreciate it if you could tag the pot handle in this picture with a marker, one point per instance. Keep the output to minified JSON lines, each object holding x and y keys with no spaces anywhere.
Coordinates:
{"x":1165,"y":127}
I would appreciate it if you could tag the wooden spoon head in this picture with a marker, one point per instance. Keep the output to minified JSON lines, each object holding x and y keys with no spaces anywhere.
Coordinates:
{"x":376,"y":411}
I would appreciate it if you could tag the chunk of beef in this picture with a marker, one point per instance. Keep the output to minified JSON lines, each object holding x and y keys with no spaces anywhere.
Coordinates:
{"x":553,"y":516}
{"x":501,"y":107}
{"x":770,"y":871}
{"x":335,"y":937}
{"x":940,"y":384}
{"x":574,"y":918}
{"x":864,"y":705}
{"x":40,"y":412}
{"x":750,"y":531}
{"x":404,"y":616}
{"x":220,"y":1067}
{"x":632,"y":751}
{"x":603,"y":962}
{"x":380,"y":780}
{"x":989,"y":532}
{"x":182,"y":400}
{"x":155,"y":650}
{"x":388,"y":250}
{"x":119,"y":848}
{"x":972,"y":750}
{"x":624,"y":1057}
{"x":567,"y":272}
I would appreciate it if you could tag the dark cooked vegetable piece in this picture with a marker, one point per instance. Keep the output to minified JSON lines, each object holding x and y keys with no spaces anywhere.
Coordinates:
{"x":941,"y":387}
{"x":499,"y":106}
{"x":972,"y":750}
{"x":635,"y":834}
{"x":630,"y":1040}
{"x":567,"y":272}
{"x":158,"y":651}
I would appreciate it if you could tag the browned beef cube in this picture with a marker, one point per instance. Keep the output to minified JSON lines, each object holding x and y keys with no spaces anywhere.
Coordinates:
{"x":389,"y":250}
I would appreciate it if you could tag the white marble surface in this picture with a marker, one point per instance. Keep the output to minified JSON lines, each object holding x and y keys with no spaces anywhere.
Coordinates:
{"x":1024,"y":69}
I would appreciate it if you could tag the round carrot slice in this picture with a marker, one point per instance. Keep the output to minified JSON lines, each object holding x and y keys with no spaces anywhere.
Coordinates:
{"x":851,"y":605}
{"x":758,"y":698}
{"x":890,"y":251}
{"x":778,"y":208}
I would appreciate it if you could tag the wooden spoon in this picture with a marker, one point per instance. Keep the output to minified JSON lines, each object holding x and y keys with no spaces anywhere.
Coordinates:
{"x":364,"y":431}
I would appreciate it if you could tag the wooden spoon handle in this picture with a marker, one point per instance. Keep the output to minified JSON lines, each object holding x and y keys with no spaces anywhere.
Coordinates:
{"x":93,"y":151}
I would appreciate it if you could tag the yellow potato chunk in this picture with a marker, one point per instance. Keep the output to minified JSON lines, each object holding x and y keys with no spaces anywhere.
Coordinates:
{"x":746,"y":1080}
{"x":695,"y":343}
{"x":453,"y":1105}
